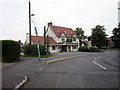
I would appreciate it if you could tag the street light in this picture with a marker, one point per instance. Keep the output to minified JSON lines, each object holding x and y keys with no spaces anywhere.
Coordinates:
{"x":30,"y":21}
{"x":38,"y":47}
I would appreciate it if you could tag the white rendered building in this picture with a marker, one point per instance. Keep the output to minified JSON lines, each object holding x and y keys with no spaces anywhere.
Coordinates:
{"x":61,"y":39}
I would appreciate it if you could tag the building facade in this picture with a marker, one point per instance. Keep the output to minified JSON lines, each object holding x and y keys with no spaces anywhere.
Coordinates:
{"x":59,"y":39}
{"x":64,"y":38}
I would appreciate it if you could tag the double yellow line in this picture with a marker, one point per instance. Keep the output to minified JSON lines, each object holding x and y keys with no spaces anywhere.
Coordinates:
{"x":64,"y":58}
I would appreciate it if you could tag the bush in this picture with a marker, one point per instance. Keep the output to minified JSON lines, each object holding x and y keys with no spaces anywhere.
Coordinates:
{"x":83,"y":49}
{"x":91,"y":49}
{"x":32,"y":50}
{"x":10,"y":51}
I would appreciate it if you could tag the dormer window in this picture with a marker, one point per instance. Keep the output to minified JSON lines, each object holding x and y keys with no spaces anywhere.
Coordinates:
{"x":74,"y":39}
{"x":69,"y":40}
{"x":63,"y":38}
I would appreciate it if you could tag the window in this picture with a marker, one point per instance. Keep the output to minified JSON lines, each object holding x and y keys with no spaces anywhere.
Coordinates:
{"x":74,"y":39}
{"x":63,"y":38}
{"x":53,"y":47}
{"x":69,"y":40}
{"x":38,"y":41}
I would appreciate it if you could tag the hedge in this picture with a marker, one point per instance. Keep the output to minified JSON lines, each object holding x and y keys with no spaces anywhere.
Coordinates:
{"x":32,"y":49}
{"x":83,"y":49}
{"x":10,"y":50}
{"x":91,"y":49}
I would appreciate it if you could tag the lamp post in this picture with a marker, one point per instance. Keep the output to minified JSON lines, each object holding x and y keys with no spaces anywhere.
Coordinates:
{"x":38,"y":47}
{"x":30,"y":22}
{"x":119,"y":14}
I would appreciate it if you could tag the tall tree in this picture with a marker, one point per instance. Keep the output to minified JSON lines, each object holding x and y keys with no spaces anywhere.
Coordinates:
{"x":99,"y":37}
{"x":116,"y":37}
{"x":80,"y":34}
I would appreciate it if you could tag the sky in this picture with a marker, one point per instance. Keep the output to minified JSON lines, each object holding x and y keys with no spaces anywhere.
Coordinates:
{"x":85,"y":14}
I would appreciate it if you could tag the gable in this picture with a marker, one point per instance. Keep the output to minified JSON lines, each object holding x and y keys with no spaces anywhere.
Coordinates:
{"x":59,"y":30}
{"x":52,"y":34}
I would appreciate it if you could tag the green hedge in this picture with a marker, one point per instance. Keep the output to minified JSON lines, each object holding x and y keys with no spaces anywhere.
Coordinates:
{"x":91,"y":49}
{"x":10,"y":50}
{"x":32,"y":50}
{"x":83,"y":49}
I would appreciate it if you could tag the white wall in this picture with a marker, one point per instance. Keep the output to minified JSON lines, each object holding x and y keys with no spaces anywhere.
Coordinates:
{"x":61,"y":36}
{"x":77,"y":40}
{"x":53,"y":51}
{"x":52,"y":34}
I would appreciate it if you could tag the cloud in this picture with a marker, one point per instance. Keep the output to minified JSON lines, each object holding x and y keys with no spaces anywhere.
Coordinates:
{"x":68,"y":13}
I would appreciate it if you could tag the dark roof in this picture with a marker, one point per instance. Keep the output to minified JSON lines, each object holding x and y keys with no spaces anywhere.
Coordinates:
{"x":59,"y":30}
{"x":41,"y":40}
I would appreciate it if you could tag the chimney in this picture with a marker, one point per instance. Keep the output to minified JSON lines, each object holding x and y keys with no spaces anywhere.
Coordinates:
{"x":49,"y":24}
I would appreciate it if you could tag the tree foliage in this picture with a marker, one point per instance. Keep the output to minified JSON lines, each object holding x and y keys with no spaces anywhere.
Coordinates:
{"x":99,"y":37}
{"x":10,"y":50}
{"x":33,"y":50}
{"x":80,"y":34}
{"x":116,"y":37}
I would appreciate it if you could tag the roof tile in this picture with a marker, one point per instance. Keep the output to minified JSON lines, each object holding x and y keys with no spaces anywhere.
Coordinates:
{"x":59,"y":30}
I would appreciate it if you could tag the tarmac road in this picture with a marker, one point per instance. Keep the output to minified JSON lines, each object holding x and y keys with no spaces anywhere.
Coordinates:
{"x":79,"y":72}
{"x":89,"y":70}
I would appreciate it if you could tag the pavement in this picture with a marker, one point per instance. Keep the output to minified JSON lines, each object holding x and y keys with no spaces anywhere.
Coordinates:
{"x":65,"y":70}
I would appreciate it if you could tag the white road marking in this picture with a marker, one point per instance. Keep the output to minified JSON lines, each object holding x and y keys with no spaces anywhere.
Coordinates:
{"x":97,"y":63}
{"x":97,"y":58}
{"x":21,"y":83}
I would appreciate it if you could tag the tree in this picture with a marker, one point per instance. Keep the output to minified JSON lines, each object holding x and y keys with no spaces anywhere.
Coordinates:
{"x":116,"y":37}
{"x":80,"y":34}
{"x":99,"y":37}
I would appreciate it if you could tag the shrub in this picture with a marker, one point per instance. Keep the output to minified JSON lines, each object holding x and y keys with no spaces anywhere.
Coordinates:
{"x":91,"y":49}
{"x":83,"y":49}
{"x":10,"y":50}
{"x":32,"y":50}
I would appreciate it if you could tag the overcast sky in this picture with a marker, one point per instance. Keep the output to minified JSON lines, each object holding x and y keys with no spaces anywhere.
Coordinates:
{"x":85,"y":14}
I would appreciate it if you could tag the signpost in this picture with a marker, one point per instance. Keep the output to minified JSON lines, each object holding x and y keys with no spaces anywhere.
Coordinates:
{"x":38,"y":46}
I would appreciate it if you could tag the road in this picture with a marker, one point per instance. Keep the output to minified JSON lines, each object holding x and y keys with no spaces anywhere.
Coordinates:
{"x":84,"y":70}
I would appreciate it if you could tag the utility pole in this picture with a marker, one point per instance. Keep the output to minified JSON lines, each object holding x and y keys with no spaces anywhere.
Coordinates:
{"x":44,"y":35}
{"x":119,"y":14}
{"x":29,"y":23}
